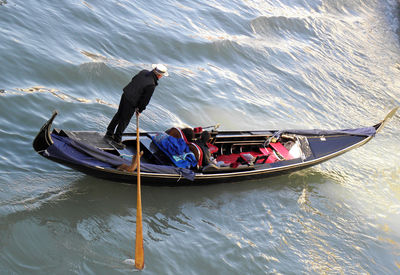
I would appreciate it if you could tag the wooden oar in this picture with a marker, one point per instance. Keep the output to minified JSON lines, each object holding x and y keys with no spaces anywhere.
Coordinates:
{"x":139,"y":252}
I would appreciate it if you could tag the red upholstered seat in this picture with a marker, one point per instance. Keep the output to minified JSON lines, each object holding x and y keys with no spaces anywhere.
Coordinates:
{"x":213,"y":149}
{"x":177,"y":133}
{"x":244,"y":156}
{"x":265,"y":155}
{"x":281,"y":150}
{"x":228,"y":158}
{"x":197,"y":152}
{"x":268,"y":151}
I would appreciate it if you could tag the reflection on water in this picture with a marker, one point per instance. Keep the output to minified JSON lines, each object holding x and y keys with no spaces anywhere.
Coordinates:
{"x":110,"y":61}
{"x":276,"y":220}
{"x":57,"y":93}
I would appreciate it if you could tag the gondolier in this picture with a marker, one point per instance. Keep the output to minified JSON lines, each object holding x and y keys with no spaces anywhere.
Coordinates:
{"x":135,"y":97}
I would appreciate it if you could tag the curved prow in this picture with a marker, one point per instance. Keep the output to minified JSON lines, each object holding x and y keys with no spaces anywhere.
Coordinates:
{"x":43,"y":139}
{"x":381,"y":124}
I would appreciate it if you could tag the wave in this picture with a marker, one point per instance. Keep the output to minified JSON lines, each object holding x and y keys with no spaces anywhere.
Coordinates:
{"x":284,"y":27}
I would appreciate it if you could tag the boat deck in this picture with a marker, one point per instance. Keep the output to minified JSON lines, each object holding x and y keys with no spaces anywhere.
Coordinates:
{"x":90,"y":137}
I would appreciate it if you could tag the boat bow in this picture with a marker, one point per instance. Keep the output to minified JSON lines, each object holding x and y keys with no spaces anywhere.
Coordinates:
{"x":43,"y":139}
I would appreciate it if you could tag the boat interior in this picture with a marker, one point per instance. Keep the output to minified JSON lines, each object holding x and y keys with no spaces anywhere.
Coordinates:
{"x":229,"y":149}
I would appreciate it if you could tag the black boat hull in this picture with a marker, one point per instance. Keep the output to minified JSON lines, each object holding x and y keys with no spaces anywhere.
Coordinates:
{"x":323,"y":146}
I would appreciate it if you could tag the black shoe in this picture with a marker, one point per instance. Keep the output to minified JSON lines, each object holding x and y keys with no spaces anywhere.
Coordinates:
{"x":109,"y":136}
{"x":118,"y":145}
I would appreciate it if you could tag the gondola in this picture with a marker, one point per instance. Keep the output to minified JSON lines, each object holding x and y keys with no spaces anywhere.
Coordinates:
{"x":238,"y":155}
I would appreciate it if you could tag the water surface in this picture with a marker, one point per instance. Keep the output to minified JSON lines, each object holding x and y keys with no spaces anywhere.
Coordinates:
{"x":244,"y":64}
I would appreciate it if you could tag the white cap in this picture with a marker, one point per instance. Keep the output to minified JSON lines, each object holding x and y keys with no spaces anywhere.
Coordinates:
{"x":160,"y":69}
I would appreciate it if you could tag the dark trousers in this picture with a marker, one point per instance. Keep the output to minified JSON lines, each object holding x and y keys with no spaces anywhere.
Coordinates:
{"x":121,"y":119}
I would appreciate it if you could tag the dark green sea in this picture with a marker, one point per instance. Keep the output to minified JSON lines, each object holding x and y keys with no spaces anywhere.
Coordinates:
{"x":248,"y":64}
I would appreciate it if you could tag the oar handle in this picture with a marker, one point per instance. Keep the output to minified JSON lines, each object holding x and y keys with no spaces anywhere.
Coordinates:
{"x":216,"y":126}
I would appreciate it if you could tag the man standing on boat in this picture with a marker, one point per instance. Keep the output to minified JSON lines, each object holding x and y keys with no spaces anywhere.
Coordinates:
{"x":135,"y":97}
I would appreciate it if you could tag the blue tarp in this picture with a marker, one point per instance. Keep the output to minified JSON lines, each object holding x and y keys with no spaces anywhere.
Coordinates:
{"x":76,"y":152}
{"x":176,"y":149}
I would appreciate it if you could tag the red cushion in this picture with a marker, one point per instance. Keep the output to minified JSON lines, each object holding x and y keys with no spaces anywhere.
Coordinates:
{"x":213,"y":149}
{"x":228,"y":158}
{"x":200,"y":161}
{"x":182,"y":134}
{"x":268,"y":151}
{"x":281,"y":150}
{"x":254,"y":154}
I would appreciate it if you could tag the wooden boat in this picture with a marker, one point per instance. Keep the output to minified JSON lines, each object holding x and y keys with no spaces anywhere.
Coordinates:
{"x":239,"y":155}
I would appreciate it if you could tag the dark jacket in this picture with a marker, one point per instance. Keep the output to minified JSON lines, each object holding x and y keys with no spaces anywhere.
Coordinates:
{"x":206,"y":153}
{"x":141,"y":88}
